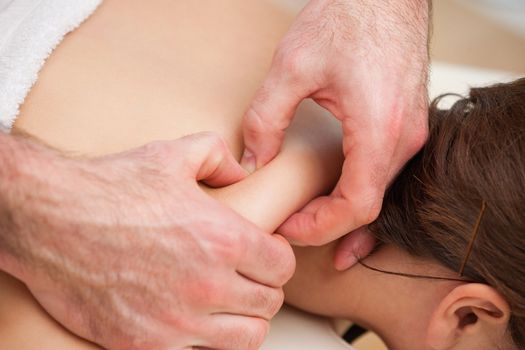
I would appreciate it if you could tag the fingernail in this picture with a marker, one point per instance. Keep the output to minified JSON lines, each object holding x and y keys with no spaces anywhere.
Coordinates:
{"x":345,"y":263}
{"x":248,"y":161}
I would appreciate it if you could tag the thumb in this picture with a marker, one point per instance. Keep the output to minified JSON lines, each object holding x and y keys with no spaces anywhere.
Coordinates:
{"x":355,"y":245}
{"x":209,"y":160}
{"x":267,"y":118}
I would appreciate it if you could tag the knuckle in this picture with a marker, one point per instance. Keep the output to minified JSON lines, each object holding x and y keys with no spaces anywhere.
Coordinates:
{"x":284,"y":265}
{"x":293,"y":62}
{"x":214,"y":139}
{"x":267,"y":301}
{"x":257,"y":122}
{"x":227,"y":249}
{"x":371,"y":207}
{"x":367,"y":205}
{"x":411,"y":136}
{"x":287,"y":265}
{"x":275,"y":303}
{"x":259,"y":299}
{"x":418,"y":138}
{"x":257,"y":333}
{"x":181,"y":326}
{"x":374,"y":211}
{"x":281,"y":260}
{"x":254,"y":122}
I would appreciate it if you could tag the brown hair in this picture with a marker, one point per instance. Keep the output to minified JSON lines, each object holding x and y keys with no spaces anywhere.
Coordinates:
{"x":475,"y":154}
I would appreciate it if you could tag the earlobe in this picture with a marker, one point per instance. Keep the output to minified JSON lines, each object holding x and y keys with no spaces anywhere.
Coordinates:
{"x":469,"y":311}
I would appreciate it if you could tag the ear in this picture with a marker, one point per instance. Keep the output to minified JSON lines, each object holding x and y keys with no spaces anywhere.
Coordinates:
{"x":470,"y":312}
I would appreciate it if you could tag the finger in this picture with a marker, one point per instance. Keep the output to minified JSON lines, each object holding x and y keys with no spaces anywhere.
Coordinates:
{"x":247,"y":298}
{"x":267,"y":118}
{"x":232,"y":332}
{"x":210,"y":160}
{"x":267,"y":259}
{"x":355,"y":245}
{"x":356,"y":201}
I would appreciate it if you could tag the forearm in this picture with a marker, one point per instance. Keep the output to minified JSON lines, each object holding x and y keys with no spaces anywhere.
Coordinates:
{"x":48,"y":206}
{"x":22,"y":162}
{"x":7,"y":173}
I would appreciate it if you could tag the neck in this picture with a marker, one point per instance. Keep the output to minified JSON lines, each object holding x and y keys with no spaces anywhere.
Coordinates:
{"x":407,"y":304}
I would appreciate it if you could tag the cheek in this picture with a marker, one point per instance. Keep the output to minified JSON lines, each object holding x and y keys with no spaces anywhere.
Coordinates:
{"x":319,"y":288}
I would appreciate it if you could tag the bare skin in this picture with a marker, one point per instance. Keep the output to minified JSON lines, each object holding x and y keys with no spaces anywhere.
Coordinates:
{"x":407,"y":313}
{"x":366,"y":62}
{"x":308,"y":165}
{"x":112,"y":86}
{"x":106,"y":236}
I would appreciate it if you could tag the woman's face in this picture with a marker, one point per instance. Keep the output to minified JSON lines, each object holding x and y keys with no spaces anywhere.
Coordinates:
{"x":395,"y":307}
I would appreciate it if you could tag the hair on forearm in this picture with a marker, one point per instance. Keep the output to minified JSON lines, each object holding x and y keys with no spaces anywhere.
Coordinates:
{"x":21,"y":158}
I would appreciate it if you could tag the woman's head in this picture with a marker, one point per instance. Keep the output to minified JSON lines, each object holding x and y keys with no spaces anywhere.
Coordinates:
{"x":475,"y":157}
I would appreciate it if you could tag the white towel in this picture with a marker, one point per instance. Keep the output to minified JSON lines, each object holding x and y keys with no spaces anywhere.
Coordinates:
{"x":29,"y":31}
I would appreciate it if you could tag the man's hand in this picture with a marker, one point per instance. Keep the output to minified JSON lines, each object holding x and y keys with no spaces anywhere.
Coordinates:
{"x":366,"y":62}
{"x":128,"y":252}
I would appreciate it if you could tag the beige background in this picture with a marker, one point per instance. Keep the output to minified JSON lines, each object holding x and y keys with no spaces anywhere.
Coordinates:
{"x":466,"y":34}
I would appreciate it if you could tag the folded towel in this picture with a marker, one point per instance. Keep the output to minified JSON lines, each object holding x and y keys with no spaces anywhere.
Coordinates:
{"x":29,"y":31}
